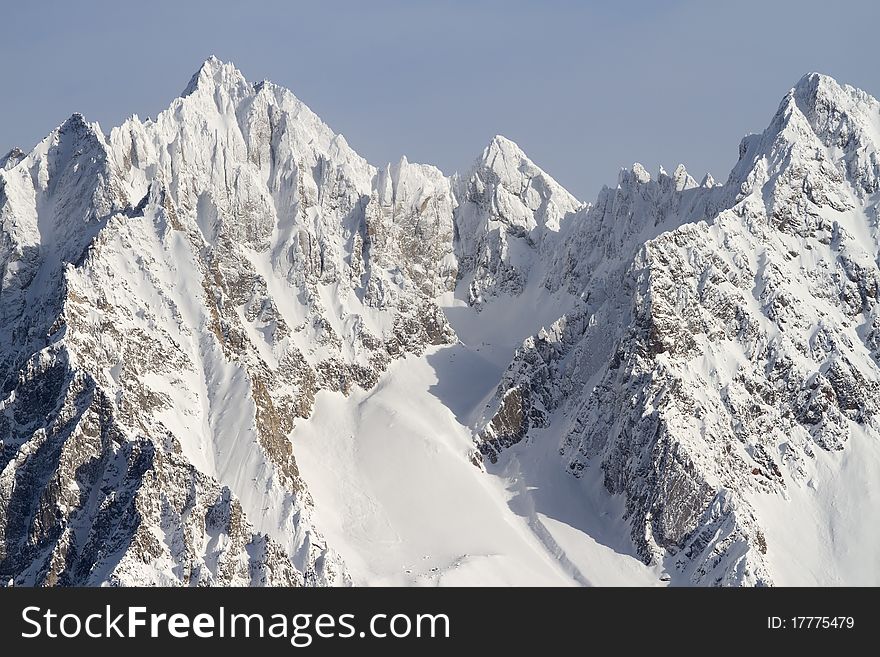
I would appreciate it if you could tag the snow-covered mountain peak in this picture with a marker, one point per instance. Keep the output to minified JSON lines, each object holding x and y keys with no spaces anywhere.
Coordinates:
{"x":72,"y":134}
{"x":214,"y":73}
{"x":682,"y":179}
{"x":13,"y":157}
{"x":62,"y":184}
{"x":266,"y":274}
{"x":708,"y":181}
{"x":635,"y":174}
{"x":820,"y":93}
{"x":501,"y":146}
{"x":506,"y":164}
{"x":846,"y":121}
{"x":823,"y":134}
{"x":509,"y":211}
{"x":75,"y":121}
{"x":839,"y":114}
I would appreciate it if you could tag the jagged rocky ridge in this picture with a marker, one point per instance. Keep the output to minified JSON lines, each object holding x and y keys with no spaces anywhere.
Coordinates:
{"x":723,"y":334}
{"x":175,"y":293}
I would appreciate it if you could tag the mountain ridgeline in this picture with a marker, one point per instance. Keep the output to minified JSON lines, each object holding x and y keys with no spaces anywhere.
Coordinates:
{"x":175,"y":295}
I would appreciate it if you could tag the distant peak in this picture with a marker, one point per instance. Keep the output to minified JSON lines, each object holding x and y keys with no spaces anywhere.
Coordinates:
{"x":212,"y":66}
{"x":812,"y":81}
{"x":512,"y":168}
{"x":500,"y":141}
{"x":818,"y":94}
{"x":12,"y":158}
{"x":682,"y":178}
{"x":212,"y":73}
{"x":75,"y":120}
{"x":640,"y":173}
{"x":501,"y":145}
{"x":814,"y":88}
{"x":76,"y":123}
{"x":500,"y":154}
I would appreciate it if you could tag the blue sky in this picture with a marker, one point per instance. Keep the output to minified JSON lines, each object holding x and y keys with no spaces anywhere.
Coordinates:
{"x":584,"y":87}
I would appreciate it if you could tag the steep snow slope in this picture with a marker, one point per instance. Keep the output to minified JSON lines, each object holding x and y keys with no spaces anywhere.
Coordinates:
{"x":396,"y":494}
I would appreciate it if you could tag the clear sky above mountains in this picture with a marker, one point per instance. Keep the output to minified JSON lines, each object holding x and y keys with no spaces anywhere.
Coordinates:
{"x":583,"y":87}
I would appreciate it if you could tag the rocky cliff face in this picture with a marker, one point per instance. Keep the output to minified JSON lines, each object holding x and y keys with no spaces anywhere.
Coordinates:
{"x":175,"y":294}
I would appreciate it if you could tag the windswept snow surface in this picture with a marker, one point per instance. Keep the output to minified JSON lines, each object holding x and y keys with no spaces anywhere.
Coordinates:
{"x":826,"y":521}
{"x":397,"y":496}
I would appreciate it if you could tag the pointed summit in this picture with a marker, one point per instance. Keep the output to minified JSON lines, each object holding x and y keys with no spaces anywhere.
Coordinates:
{"x":213,"y":62}
{"x":213,"y":73}
{"x":513,"y":169}
{"x":827,"y":104}
{"x":635,"y":174}
{"x":811,"y":84}
{"x":12,"y":158}
{"x":75,"y":121}
{"x":683,"y":180}
{"x":816,"y":93}
{"x":76,"y":128}
{"x":819,"y":120}
{"x":501,"y":146}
